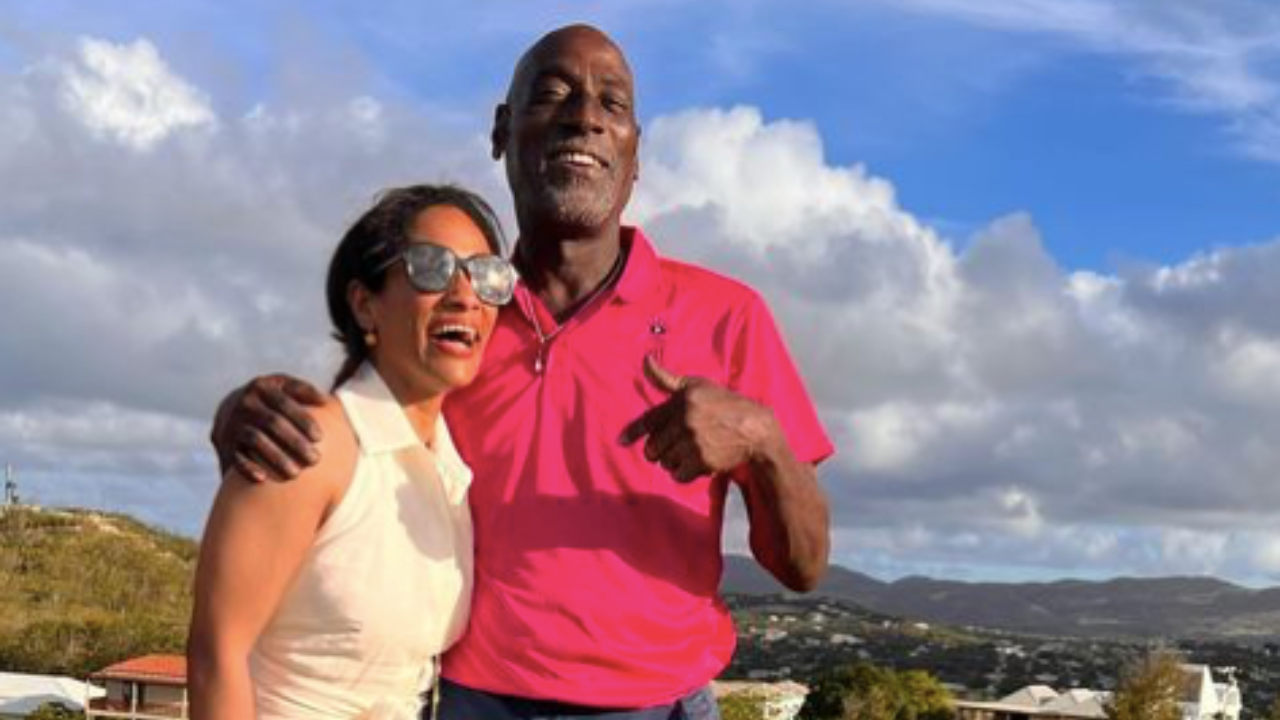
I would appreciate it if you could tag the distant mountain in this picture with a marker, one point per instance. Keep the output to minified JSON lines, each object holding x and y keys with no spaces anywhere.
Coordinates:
{"x":1181,"y":607}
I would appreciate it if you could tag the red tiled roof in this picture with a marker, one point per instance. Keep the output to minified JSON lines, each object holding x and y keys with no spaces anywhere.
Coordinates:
{"x":162,"y":669}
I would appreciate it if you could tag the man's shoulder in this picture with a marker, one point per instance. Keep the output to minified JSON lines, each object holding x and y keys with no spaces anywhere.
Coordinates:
{"x":682,"y":276}
{"x":686,"y":283}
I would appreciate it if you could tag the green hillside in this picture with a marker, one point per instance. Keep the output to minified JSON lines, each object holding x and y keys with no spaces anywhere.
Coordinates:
{"x":84,"y":589}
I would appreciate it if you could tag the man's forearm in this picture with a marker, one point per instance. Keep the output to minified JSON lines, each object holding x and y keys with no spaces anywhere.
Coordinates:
{"x":790,"y":524}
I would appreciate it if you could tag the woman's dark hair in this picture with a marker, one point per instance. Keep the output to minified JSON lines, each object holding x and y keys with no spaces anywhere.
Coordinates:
{"x":376,"y":238}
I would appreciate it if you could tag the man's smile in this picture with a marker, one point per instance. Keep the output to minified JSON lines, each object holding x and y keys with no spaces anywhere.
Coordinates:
{"x":576,"y":157}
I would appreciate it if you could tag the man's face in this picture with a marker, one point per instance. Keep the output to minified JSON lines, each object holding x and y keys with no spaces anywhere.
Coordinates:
{"x":569,"y":131}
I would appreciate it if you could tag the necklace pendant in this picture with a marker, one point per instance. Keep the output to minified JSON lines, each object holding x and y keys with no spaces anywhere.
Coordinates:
{"x":537,"y":363}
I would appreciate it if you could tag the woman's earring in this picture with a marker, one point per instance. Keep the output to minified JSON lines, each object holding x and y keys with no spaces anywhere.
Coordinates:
{"x":370,"y":338}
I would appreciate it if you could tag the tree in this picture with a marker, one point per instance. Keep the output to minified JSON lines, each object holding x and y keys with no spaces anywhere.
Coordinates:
{"x":1273,"y":713}
{"x":77,"y":648}
{"x":55,"y":711}
{"x":850,"y":690}
{"x":924,"y":698}
{"x":741,"y":706}
{"x":866,"y":692}
{"x":1149,"y":689}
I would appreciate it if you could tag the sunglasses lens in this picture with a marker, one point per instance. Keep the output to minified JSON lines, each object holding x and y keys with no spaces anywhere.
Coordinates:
{"x":493,"y":278}
{"x":431,"y":267}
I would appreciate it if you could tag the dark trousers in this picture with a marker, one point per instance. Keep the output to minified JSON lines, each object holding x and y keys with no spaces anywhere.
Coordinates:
{"x":458,"y":702}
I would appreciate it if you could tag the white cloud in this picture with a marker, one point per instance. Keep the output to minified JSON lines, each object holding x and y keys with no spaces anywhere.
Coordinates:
{"x":1248,"y":368}
{"x":987,"y":404}
{"x":127,"y":92}
{"x":782,"y":193}
{"x":1021,"y":512}
{"x":146,"y":275}
{"x":1015,"y":410}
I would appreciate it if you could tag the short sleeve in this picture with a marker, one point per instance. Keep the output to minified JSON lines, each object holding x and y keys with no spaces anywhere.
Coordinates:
{"x":762,"y":369}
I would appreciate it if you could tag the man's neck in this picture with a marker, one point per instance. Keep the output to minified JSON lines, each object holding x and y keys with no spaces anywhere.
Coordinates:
{"x":566,"y":272}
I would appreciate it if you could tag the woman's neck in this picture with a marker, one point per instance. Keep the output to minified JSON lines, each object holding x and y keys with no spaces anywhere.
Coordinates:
{"x":421,"y":407}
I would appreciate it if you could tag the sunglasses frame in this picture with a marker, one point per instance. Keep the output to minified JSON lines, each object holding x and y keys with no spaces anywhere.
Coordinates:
{"x":411,"y":254}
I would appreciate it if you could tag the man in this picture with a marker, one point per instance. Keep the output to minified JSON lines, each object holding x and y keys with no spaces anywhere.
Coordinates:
{"x":620,"y":396}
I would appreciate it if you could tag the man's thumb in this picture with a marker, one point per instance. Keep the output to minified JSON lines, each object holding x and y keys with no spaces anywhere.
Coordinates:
{"x":662,"y":377}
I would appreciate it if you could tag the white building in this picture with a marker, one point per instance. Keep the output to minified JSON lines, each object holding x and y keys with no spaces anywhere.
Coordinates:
{"x":1199,"y":697}
{"x":1040,"y":702}
{"x":1203,"y":699}
{"x":21,"y":694}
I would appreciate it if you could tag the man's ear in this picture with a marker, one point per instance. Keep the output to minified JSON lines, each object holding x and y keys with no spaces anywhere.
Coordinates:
{"x":498,"y":136}
{"x":639,"y":133}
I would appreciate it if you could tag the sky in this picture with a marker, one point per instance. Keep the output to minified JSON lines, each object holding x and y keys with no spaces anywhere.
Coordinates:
{"x":1026,"y":253}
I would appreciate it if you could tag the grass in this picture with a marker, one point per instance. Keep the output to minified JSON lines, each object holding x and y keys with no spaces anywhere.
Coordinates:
{"x":83,"y":587}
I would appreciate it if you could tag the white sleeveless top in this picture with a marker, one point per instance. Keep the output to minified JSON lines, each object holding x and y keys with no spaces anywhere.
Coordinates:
{"x":387,"y":586}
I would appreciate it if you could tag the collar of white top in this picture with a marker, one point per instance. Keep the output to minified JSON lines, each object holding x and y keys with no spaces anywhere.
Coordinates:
{"x":382,"y":427}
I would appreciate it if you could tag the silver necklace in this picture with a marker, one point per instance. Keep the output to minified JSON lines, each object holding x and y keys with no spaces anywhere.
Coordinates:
{"x":540,"y":359}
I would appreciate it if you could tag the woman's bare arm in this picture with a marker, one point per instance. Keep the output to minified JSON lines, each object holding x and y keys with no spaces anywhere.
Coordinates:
{"x":254,"y":542}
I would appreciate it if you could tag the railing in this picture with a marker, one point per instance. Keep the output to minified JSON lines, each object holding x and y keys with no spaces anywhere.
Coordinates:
{"x":109,"y":708}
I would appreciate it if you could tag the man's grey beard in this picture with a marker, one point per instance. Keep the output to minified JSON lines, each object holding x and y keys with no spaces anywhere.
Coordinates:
{"x":584,"y":205}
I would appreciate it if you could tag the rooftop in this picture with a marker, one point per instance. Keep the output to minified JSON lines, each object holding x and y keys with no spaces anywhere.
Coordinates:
{"x":160,"y":669}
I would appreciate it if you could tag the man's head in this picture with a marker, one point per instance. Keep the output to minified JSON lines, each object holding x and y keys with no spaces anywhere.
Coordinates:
{"x":568,"y":132}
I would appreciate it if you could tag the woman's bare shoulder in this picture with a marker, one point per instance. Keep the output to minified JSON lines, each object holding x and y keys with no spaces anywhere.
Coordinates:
{"x":321,"y":482}
{"x":337,"y":447}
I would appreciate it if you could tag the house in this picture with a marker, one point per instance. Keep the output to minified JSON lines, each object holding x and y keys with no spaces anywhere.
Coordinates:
{"x":152,"y":687}
{"x":1078,"y":703}
{"x":21,"y":694}
{"x":1038,"y":702}
{"x":1199,"y":697}
{"x":1203,"y":699}
{"x":778,"y":700}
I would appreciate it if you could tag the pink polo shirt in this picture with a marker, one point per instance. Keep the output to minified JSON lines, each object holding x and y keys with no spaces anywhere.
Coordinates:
{"x":596,"y":574}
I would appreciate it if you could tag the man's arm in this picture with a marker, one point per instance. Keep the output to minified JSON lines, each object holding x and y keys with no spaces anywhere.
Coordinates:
{"x":704,"y":428}
{"x":265,"y":430}
{"x":790,"y":521}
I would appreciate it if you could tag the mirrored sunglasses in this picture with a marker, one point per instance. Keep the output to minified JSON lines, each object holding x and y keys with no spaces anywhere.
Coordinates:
{"x":432,"y":267}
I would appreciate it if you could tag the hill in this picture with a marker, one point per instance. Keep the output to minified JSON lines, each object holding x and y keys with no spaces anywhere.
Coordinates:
{"x":85,"y":589}
{"x":1172,"y":607}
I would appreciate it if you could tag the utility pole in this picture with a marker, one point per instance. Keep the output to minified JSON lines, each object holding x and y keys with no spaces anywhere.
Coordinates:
{"x":10,"y":487}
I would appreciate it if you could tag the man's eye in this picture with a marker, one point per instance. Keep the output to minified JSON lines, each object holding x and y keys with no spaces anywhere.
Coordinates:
{"x":616,"y":104}
{"x":548,"y":93}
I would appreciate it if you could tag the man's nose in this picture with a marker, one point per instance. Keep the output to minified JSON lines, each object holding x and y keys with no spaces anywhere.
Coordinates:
{"x":582,"y":111}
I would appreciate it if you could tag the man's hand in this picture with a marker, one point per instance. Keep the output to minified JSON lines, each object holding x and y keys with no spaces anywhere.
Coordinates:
{"x":265,"y":431}
{"x":702,"y":428}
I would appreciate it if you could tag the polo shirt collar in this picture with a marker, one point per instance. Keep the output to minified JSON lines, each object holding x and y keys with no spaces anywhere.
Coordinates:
{"x":641,"y":275}
{"x":381,"y":425}
{"x":643,"y":272}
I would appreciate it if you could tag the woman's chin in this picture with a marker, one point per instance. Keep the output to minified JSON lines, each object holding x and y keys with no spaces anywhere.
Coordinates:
{"x":451,"y":373}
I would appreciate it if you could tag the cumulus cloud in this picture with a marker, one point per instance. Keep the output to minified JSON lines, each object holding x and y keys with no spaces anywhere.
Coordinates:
{"x":989,"y":403}
{"x":992,"y":410}
{"x":154,"y":253}
{"x":126,"y":92}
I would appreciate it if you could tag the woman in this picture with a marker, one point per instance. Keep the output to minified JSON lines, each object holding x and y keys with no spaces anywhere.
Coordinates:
{"x":331,"y":596}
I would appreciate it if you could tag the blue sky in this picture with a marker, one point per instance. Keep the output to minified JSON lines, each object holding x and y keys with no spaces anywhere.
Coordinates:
{"x":1025,"y":251}
{"x":969,"y":121}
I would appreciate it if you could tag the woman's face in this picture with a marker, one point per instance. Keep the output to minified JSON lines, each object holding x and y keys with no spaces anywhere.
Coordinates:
{"x":430,"y":343}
